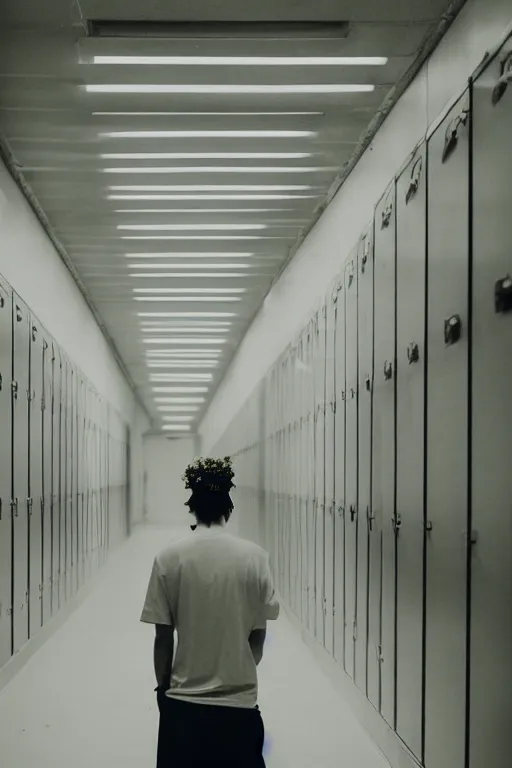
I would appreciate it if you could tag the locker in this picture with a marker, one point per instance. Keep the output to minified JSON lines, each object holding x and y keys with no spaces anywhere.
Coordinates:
{"x":351,"y":471}
{"x":319,"y":364}
{"x":303,"y":479}
{"x":6,"y":330}
{"x":339,"y":479}
{"x":330,"y":405}
{"x":365,"y":386}
{"x":491,"y":487}
{"x":447,"y":439}
{"x":47,"y":527}
{"x":80,"y":480}
{"x":20,"y":472}
{"x":311,"y":454}
{"x":56,"y":510}
{"x":36,"y":479}
{"x":72,"y":505}
{"x":63,"y":484}
{"x":410,"y":437}
{"x":382,"y":558}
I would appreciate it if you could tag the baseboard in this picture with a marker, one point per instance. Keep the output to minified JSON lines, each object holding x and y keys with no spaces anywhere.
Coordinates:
{"x":387,"y":741}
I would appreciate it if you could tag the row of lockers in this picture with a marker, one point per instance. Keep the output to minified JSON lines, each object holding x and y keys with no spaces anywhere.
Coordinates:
{"x":63,"y":476}
{"x":374,"y":461}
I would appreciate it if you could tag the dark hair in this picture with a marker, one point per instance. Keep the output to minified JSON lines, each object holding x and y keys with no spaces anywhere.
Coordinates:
{"x":209,"y":506}
{"x":210,"y":481}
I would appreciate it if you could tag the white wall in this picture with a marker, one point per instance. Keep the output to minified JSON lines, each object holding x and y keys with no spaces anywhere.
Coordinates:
{"x":295,"y":296}
{"x":30,"y":264}
{"x":165,"y":494}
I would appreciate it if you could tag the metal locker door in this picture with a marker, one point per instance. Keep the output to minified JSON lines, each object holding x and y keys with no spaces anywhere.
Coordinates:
{"x":36,"y":506}
{"x":365,"y":386}
{"x":320,"y":475}
{"x":330,"y":406}
{"x":410,"y":436}
{"x":447,"y":439}
{"x":303,"y":480}
{"x":20,"y":471}
{"x":382,"y":559}
{"x":56,"y":500}
{"x":311,"y":529}
{"x":351,"y":440}
{"x":339,"y":481}
{"x":47,"y":543}
{"x":70,"y":509}
{"x":491,"y":490}
{"x":63,"y":483}
{"x":6,"y":332}
{"x":351,"y":469}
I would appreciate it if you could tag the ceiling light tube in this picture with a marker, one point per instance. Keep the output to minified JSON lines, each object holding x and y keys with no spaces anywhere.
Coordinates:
{"x":178,"y":390}
{"x":152,"y":275}
{"x":187,"y":169}
{"x":229,"y":265}
{"x":208,"y":114}
{"x":191,"y":290}
{"x":205,"y":237}
{"x":211,"y":196}
{"x":211,"y":89}
{"x":176,"y":427}
{"x":189,"y":299}
{"x":170,"y":340}
{"x":186,"y":314}
{"x":245,"y":61}
{"x":185,"y":227}
{"x":180,"y":400}
{"x":208,"y":211}
{"x":210,"y":187}
{"x":208,"y":255}
{"x":205,"y":155}
{"x":205,"y":134}
{"x":178,"y":329}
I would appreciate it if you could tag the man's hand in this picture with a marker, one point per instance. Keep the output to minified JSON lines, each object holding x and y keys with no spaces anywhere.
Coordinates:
{"x":256,"y":642}
{"x":163,"y":654}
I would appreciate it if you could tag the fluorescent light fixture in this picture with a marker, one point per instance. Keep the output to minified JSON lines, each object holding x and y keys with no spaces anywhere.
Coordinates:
{"x":178,"y":390}
{"x":153,"y":275}
{"x":205,"y":155}
{"x":183,"y":365}
{"x":204,"y":237}
{"x":182,"y":353}
{"x":209,"y":196}
{"x":188,"y":299}
{"x":178,"y":408}
{"x":210,"y":188}
{"x":228,"y":89}
{"x":208,"y":255}
{"x":176,"y":427}
{"x":192,"y":290}
{"x":205,"y":134}
{"x":229,"y":265}
{"x":203,"y":210}
{"x":187,"y":340}
{"x":187,"y":227}
{"x":180,"y":378}
{"x":209,"y":114}
{"x":183,"y":169}
{"x":186,"y":314}
{"x":245,"y":61}
{"x":180,"y":400}
{"x":186,"y":329}
{"x":178,"y":418}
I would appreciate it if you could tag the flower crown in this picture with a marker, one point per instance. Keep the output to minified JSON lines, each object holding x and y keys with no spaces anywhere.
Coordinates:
{"x":211,"y":474}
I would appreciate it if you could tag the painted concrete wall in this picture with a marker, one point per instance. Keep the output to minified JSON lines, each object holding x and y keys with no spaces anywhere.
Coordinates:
{"x":165,"y":494}
{"x":295,"y":296}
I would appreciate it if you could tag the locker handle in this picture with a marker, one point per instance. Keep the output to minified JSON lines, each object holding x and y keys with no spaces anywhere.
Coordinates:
{"x":414,"y":182}
{"x":504,"y":79}
{"x":388,"y":370}
{"x":452,"y":330}
{"x":452,"y":134}
{"x":503,"y":295}
{"x":353,"y":513}
{"x":413,"y":353}
{"x":397,"y":523}
{"x":14,"y":387}
{"x":1,"y":382}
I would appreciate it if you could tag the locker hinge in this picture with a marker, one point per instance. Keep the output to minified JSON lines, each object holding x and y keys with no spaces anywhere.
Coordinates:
{"x":30,"y":504}
{"x":14,"y":389}
{"x":396,"y":522}
{"x":43,"y":404}
{"x":354,"y":630}
{"x":380,"y":657}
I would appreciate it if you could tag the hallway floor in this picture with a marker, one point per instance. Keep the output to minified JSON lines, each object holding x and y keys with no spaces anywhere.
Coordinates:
{"x":86,"y":698}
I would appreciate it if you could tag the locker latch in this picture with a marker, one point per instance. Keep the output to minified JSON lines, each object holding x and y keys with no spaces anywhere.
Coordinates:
{"x":353,"y":513}
{"x":14,"y":507}
{"x":504,"y":79}
{"x":2,"y":302}
{"x":1,"y":382}
{"x":414,"y":182}
{"x":503,"y":295}
{"x":388,"y":370}
{"x":386,"y":214}
{"x":14,"y":388}
{"x":452,"y":330}
{"x":368,"y":384}
{"x":413,"y":353}
{"x":396,"y":523}
{"x":452,"y":133}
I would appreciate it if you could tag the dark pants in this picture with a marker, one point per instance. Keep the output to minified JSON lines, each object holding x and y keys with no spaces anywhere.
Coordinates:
{"x":206,"y":736}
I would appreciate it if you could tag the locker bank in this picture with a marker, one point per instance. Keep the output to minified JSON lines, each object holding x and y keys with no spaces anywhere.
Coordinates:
{"x":279,"y":232}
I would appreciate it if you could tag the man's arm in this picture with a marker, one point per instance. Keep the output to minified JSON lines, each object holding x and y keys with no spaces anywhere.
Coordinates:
{"x":256,"y":642}
{"x":163,"y":655}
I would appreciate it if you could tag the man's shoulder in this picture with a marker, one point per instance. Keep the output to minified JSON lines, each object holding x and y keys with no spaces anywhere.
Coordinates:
{"x":250,"y":548}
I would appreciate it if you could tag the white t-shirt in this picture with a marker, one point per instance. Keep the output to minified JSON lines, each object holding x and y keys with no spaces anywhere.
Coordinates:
{"x":214,"y":589}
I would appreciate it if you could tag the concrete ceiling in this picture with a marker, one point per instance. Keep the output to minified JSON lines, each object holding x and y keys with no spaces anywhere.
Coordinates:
{"x":196,"y":260}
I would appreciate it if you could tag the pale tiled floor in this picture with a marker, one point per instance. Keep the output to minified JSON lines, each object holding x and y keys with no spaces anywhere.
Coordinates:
{"x":86,"y":698}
